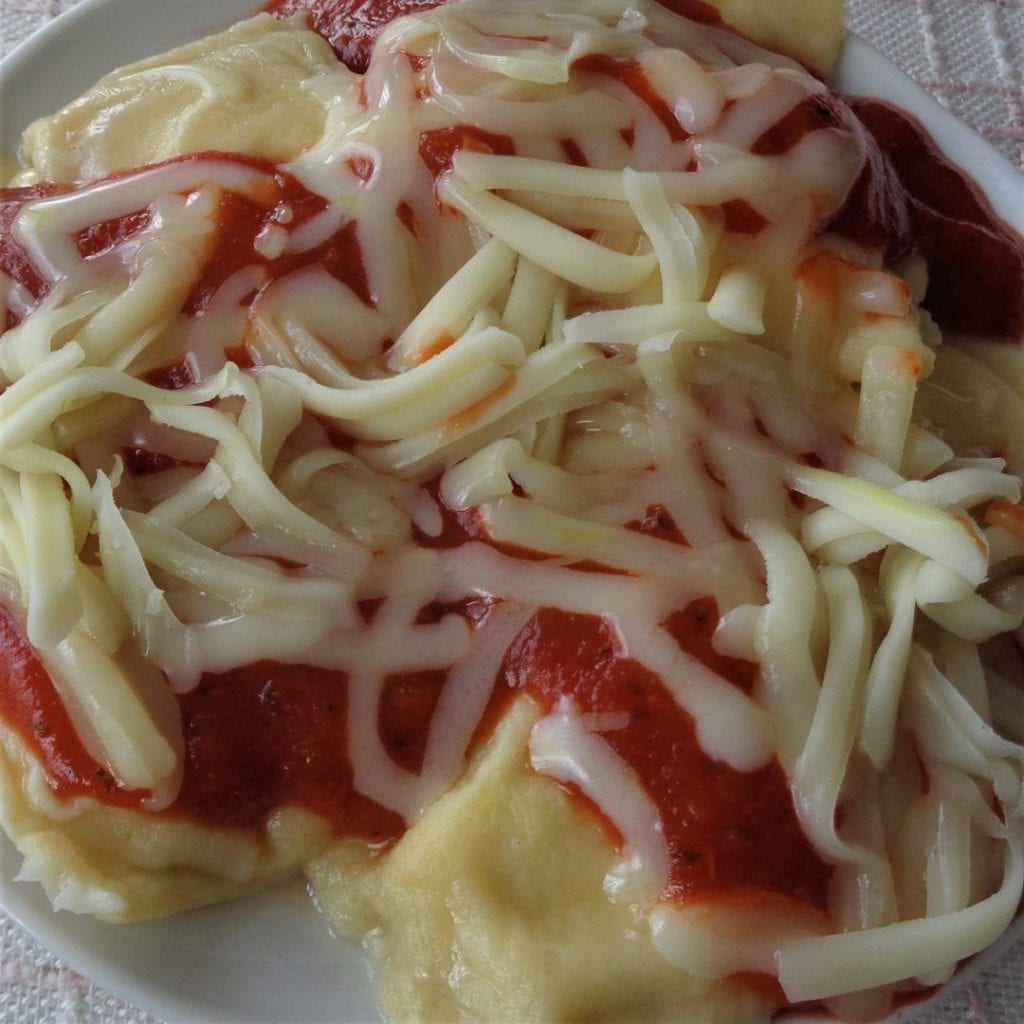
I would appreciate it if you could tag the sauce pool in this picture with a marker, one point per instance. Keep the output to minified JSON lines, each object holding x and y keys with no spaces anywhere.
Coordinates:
{"x":910,"y":198}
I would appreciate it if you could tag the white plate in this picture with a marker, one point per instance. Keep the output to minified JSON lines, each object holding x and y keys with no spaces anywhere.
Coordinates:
{"x":270,"y":959}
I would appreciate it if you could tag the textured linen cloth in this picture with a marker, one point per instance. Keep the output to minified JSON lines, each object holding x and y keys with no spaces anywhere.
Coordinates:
{"x":970,"y":55}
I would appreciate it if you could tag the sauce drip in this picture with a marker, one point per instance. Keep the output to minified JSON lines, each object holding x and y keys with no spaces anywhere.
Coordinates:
{"x":909,"y":197}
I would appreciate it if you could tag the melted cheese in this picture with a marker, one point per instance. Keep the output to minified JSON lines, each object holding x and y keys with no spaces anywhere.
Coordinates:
{"x":561,"y":348}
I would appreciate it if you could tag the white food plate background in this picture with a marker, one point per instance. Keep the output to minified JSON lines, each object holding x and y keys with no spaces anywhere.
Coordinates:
{"x":269,"y":958}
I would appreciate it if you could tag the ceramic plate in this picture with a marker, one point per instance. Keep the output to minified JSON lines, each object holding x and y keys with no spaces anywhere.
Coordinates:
{"x":269,"y":958}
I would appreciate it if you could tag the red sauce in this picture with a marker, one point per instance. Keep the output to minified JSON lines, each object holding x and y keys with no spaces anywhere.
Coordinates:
{"x":14,"y":261}
{"x":631,"y":74}
{"x":457,"y":526}
{"x":145,"y":461}
{"x":658,"y":522}
{"x":350,"y":26}
{"x":463,"y":526}
{"x":725,"y":829}
{"x":239,"y":355}
{"x":910,"y":194}
{"x":407,"y":215}
{"x":267,"y":735}
{"x":182,"y":374}
{"x":405,"y":711}
{"x":239,"y":220}
{"x":437,"y":147}
{"x":256,"y":738}
{"x":573,"y":153}
{"x":30,"y":705}
{"x":814,"y":112}
{"x":102,"y":237}
{"x":695,"y":10}
{"x":270,"y":734}
{"x":911,"y":198}
{"x":693,"y":628}
{"x":743,"y":219}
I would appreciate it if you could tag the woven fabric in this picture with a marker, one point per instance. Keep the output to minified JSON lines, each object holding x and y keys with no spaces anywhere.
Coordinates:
{"x":970,"y":55}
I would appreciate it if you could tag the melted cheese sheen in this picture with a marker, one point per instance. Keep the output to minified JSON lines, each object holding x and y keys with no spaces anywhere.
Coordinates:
{"x":588,"y":293}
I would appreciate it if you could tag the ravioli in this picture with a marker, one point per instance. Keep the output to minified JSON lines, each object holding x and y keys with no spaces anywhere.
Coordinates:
{"x":262,"y":88}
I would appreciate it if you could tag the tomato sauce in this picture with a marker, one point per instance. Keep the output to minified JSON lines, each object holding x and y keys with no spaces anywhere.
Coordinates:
{"x":406,"y":708}
{"x":696,"y":10}
{"x":31,"y":706}
{"x":146,"y":461}
{"x":573,"y":153}
{"x":239,"y":222}
{"x":14,"y":261}
{"x":657,"y":522}
{"x":725,"y":829}
{"x":631,"y":74}
{"x":908,"y":194}
{"x":743,"y":219}
{"x":350,"y":26}
{"x":256,"y":738}
{"x":268,"y":735}
{"x":816,"y":111}
{"x":182,"y":374}
{"x":438,"y":146}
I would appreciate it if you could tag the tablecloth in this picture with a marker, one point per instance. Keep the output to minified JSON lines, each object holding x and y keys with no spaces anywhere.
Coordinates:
{"x":967,"y":53}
